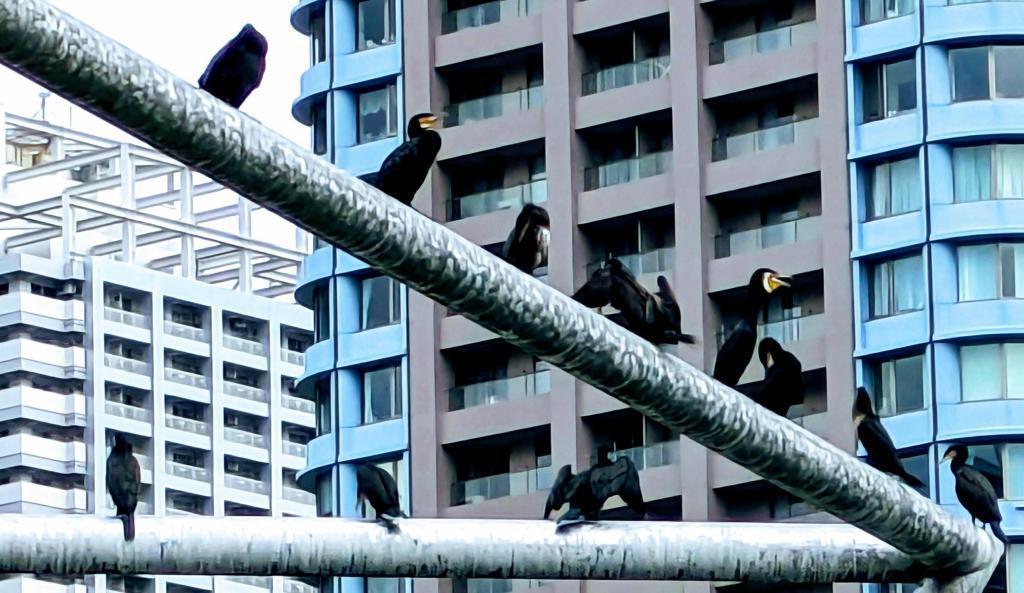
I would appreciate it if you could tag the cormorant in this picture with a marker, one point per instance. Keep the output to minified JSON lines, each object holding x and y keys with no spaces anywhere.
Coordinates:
{"x":237,"y":69}
{"x":654,"y":317}
{"x":783,"y":378}
{"x":375,"y":485}
{"x":587,"y":491}
{"x":975,"y":492}
{"x":406,"y":168}
{"x":124,"y":480}
{"x":876,"y":441}
{"x":527,"y":245}
{"x":738,"y":348}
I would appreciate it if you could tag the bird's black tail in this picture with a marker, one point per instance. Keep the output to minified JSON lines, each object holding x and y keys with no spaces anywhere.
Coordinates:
{"x":128,"y":521}
{"x":998,"y":532}
{"x":687,"y":339}
{"x":911,"y":480}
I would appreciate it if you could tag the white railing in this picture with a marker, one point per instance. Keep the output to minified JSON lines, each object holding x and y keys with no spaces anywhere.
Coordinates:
{"x":297,"y":495}
{"x":190,"y":472}
{"x":187,"y":424}
{"x":292,"y":448}
{"x":126,"y":317}
{"x":764,"y":42}
{"x":244,"y":391}
{"x":492,"y":106}
{"x":187,"y":332}
{"x":293,"y":357}
{"x":627,"y":170}
{"x":787,"y":330}
{"x":765,"y":139}
{"x":129,"y":412}
{"x":244,"y":437}
{"x":535,"y":192}
{"x":247,"y":484}
{"x":491,"y":392}
{"x":655,"y":455}
{"x":502,"y":485}
{"x":252,"y":581}
{"x":297,"y":403}
{"x":486,"y":14}
{"x":245,"y":345}
{"x":783,"y":233}
{"x":648,"y":262}
{"x":131,"y":365}
{"x":624,"y":75}
{"x":186,"y":378}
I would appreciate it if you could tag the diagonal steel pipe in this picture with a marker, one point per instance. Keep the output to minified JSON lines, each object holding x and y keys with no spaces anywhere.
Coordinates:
{"x":462,"y":548}
{"x":171,"y":115}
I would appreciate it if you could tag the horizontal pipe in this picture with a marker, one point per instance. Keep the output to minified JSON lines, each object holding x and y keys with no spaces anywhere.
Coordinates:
{"x":93,"y":71}
{"x":459,"y":548}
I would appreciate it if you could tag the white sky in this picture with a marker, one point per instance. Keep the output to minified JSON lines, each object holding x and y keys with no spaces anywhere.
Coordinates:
{"x":182,"y":36}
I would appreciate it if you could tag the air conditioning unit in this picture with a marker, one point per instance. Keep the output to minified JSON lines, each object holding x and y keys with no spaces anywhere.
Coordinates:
{"x":69,"y":289}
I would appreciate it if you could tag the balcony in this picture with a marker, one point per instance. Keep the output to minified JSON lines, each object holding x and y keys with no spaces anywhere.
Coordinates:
{"x":126,"y":317}
{"x":186,"y":378}
{"x":244,"y":437}
{"x":139,"y":367}
{"x":245,"y":345}
{"x":656,"y":261}
{"x":293,"y":357}
{"x":252,"y":581}
{"x":297,"y":403}
{"x":764,"y":42}
{"x":783,"y":233}
{"x":293,"y":586}
{"x":297,"y":495}
{"x":493,"y":106}
{"x":627,"y":170}
{"x":624,"y":75}
{"x":246,"y":392}
{"x":788,"y":330}
{"x":196,"y":334}
{"x":291,"y":448}
{"x":487,"y":14}
{"x":189,"y":472}
{"x":246,"y":484}
{"x":493,"y":200}
{"x":187,"y":424}
{"x":491,"y":392}
{"x":730,"y":147}
{"x":502,"y":485}
{"x":129,"y":412}
{"x":655,"y":455}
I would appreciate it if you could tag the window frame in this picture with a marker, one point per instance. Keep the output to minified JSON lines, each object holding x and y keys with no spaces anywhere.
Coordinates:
{"x":887,"y":380}
{"x":394,"y":303}
{"x":892,"y":292}
{"x":871,"y":172}
{"x":390,"y":26}
{"x":995,"y":165}
{"x":990,"y":62}
{"x":1003,"y":368}
{"x":318,"y":52}
{"x":881,"y":71}
{"x":392,"y":113}
{"x":1002,"y":249}
{"x":397,"y":396}
{"x":889,"y":14}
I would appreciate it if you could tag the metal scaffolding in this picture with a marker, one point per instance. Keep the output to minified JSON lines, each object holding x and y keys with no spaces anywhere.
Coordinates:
{"x":172,"y":116}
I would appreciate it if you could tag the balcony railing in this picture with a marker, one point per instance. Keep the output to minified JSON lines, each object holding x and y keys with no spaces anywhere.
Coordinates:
{"x":627,"y":170}
{"x":783,"y":233}
{"x":502,"y":485}
{"x":186,"y":378}
{"x":244,"y":391}
{"x":126,"y":317}
{"x":535,"y":192}
{"x":623,"y":75}
{"x":493,"y":106}
{"x":293,"y":586}
{"x":491,"y":392}
{"x":139,"y":367}
{"x":655,"y":455}
{"x":764,"y":42}
{"x":640,"y":264}
{"x":244,"y":437}
{"x":297,"y":495}
{"x":129,"y":412}
{"x":291,"y":448}
{"x":187,"y":424}
{"x":487,"y":14}
{"x":297,"y":403}
{"x":503,"y":585}
{"x":293,"y":357}
{"x":247,"y":484}
{"x":245,"y":345}
{"x":252,"y":581}
{"x":190,"y":472}
{"x":730,"y":147}
{"x":187,"y":332}
{"x":787,"y":330}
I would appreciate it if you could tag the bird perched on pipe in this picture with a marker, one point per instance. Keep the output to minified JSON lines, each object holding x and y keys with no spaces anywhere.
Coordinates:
{"x":737,"y":350}
{"x":872,"y":434}
{"x":406,"y":168}
{"x":124,"y":481}
{"x":587,"y":491}
{"x":975,"y":492}
{"x":237,"y":69}
{"x":527,"y":245}
{"x":376,"y":486}
{"x":655,"y":317}
{"x":783,"y":385}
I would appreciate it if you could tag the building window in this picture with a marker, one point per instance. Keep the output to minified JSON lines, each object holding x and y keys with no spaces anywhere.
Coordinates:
{"x":893,"y":187}
{"x":321,"y":314}
{"x":375,"y":23}
{"x":381,"y":302}
{"x":988,"y":72}
{"x":991,"y":371}
{"x":318,"y":36}
{"x":319,"y":110}
{"x":382,"y":394}
{"x":889,"y":89}
{"x":872,"y":11}
{"x":385,"y":585}
{"x":899,"y":385}
{"x":990,"y":271}
{"x":324,"y":415}
{"x":324,"y":495}
{"x":897,"y":286}
{"x":988,"y":172}
{"x":396,"y":469}
{"x":378,"y":114}
{"x":917,"y":465}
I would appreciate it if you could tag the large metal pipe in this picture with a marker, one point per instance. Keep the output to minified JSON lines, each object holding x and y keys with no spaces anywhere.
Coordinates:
{"x":470,"y":548}
{"x":170,"y":114}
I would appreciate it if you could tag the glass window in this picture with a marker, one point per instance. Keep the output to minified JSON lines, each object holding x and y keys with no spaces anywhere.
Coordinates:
{"x":382,"y":302}
{"x":872,"y":11}
{"x":976,"y":272}
{"x":897,"y":286}
{"x":1008,"y":61}
{"x":899,"y":385}
{"x":1009,"y":171}
{"x":918,"y":466}
{"x":324,"y":495}
{"x":324,"y":416}
{"x":969,"y":72}
{"x":382,"y":394}
{"x":991,"y":371}
{"x":321,"y":314}
{"x":889,"y":89}
{"x":375,"y":24}
{"x":385,"y":585}
{"x":378,"y":114}
{"x":972,"y":173}
{"x":318,"y":36}
{"x":893,"y":187}
{"x":319,"y":110}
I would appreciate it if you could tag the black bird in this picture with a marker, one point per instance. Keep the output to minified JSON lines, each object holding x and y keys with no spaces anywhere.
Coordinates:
{"x":238,"y":67}
{"x":876,"y":441}
{"x":738,"y":349}
{"x":527,"y":245}
{"x":406,"y":168}
{"x":975,"y":492}
{"x":783,"y":378}
{"x":654,"y":317}
{"x":587,"y":491}
{"x":375,"y":485}
{"x":124,"y":479}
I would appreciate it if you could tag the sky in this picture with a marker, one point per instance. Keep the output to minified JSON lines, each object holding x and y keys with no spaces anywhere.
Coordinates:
{"x":182,"y":36}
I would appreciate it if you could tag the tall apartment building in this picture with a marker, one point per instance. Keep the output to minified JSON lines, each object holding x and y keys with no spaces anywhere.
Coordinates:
{"x":699,"y":140}
{"x":135,"y":300}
